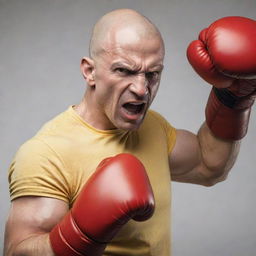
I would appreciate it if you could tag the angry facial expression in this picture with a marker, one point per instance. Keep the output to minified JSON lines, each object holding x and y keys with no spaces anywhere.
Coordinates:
{"x":126,"y":80}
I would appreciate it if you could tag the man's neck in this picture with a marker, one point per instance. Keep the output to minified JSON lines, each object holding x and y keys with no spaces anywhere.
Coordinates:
{"x":87,"y":110}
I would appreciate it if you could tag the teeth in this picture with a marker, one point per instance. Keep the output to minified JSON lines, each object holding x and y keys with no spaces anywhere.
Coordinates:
{"x":136,"y":103}
{"x":134,"y":107}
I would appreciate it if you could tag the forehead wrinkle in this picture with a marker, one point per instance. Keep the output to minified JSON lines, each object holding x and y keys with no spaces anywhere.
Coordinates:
{"x":133,"y":54}
{"x":130,"y":64}
{"x":133,"y":59}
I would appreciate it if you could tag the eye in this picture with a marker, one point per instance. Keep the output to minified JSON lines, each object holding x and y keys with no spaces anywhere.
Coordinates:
{"x":124,"y":71}
{"x":152,"y":75}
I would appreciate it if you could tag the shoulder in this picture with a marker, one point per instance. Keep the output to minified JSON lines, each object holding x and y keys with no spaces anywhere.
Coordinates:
{"x":34,"y":155}
{"x":154,"y":115}
{"x":155,"y":118}
{"x":57,"y":124}
{"x":160,"y":126}
{"x":62,"y":133}
{"x":42,"y":148}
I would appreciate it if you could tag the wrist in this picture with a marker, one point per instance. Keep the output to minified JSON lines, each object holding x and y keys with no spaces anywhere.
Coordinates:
{"x":224,"y":121}
{"x":66,"y":238}
{"x":231,"y":100}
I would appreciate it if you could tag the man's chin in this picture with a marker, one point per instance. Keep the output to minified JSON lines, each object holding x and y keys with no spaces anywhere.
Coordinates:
{"x":129,"y":121}
{"x":130,"y":125}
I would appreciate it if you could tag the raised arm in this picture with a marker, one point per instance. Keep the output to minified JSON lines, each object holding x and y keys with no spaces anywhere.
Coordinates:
{"x":203,"y":158}
{"x":224,"y":56}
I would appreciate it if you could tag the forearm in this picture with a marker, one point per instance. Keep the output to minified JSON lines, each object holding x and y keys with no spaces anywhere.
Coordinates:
{"x":202,"y":159}
{"x":218,"y":155}
{"x":35,"y":245}
{"x":210,"y":155}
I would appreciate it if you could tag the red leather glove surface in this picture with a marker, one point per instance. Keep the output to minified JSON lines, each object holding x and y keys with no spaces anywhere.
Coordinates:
{"x":225,"y":56}
{"x":118,"y":191}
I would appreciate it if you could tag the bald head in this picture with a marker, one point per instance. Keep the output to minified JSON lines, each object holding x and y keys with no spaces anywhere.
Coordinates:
{"x":122,"y":26}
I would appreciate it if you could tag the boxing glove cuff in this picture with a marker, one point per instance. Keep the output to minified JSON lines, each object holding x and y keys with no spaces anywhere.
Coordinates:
{"x":223,"y":116}
{"x":67,"y":240}
{"x":226,"y":97}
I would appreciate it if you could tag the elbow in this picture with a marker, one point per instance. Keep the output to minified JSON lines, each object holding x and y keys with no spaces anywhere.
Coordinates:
{"x":214,"y":174}
{"x":215,"y":179}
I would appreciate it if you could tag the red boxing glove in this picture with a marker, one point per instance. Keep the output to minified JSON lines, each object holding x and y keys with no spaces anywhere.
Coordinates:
{"x":118,"y":191}
{"x":225,"y":56}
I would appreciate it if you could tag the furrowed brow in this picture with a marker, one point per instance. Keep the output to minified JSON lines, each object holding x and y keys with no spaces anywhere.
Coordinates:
{"x":120,"y":64}
{"x":158,"y":67}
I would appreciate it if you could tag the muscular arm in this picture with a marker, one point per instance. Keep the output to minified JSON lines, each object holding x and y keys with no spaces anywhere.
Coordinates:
{"x":39,"y":226}
{"x":203,"y":158}
{"x":29,"y":222}
{"x":207,"y":159}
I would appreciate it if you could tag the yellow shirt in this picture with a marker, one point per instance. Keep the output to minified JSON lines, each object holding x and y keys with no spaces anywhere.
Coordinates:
{"x":60,"y":158}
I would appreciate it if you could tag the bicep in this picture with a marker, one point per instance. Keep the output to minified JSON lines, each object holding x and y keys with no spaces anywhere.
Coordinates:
{"x":185,"y":155}
{"x":203,"y":158}
{"x":32,"y":215}
{"x":186,"y":160}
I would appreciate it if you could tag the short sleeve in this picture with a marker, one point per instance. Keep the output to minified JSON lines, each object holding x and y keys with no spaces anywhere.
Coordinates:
{"x":171,"y":136}
{"x":169,"y":130}
{"x":37,"y":170}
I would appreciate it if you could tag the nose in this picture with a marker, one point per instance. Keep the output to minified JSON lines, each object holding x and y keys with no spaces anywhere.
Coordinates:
{"x":139,"y":85}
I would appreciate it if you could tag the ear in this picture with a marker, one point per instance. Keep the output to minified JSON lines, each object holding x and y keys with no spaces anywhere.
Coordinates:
{"x":88,"y":70}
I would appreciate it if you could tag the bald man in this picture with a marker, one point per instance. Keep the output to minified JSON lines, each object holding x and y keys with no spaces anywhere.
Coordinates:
{"x":49,"y":171}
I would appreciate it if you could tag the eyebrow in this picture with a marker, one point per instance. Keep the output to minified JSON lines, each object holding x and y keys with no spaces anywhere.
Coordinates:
{"x":120,"y":64}
{"x":159,"y":67}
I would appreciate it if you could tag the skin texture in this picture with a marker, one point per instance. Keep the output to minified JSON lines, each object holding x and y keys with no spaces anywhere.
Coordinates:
{"x":125,"y":64}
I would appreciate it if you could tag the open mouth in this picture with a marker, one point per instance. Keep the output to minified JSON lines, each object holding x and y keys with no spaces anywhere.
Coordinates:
{"x":134,"y":108}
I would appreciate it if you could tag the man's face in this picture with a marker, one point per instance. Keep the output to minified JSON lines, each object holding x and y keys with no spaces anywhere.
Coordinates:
{"x":127,"y":77}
